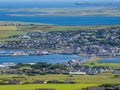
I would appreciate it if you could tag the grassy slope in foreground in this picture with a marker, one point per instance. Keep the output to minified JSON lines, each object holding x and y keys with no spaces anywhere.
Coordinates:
{"x":55,"y":86}
{"x":84,"y":81}
{"x":105,"y":78}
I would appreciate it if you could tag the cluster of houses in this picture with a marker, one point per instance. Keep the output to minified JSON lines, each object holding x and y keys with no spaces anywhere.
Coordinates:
{"x":117,"y":71}
{"x":100,"y":42}
{"x":72,"y":67}
{"x":89,"y":70}
{"x":5,"y":65}
{"x":24,"y":53}
{"x":83,"y":70}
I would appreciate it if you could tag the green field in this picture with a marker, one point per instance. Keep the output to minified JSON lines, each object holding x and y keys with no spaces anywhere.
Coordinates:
{"x":5,"y":34}
{"x":53,"y":86}
{"x":64,"y":28}
{"x":112,"y":65}
{"x":8,"y":28}
{"x":94,"y":62}
{"x":82,"y":81}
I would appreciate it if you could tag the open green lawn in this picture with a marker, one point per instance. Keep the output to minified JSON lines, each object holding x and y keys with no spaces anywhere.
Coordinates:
{"x":8,"y":28}
{"x":63,"y":28}
{"x":4,"y":34}
{"x":112,"y":65}
{"x":83,"y":81}
{"x":54,"y":86}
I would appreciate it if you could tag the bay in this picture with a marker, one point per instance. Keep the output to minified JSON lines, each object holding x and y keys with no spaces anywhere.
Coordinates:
{"x":110,"y":60}
{"x":53,"y":58}
{"x":65,"y":20}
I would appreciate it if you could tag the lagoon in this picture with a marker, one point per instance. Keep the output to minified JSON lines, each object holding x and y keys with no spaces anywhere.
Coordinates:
{"x":53,"y":58}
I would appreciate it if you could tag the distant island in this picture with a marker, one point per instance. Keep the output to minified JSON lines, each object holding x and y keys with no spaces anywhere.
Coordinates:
{"x":86,"y":10}
{"x":97,"y":3}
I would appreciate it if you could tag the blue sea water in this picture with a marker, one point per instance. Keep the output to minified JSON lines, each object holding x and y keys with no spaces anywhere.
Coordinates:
{"x":65,"y":20}
{"x":57,"y":20}
{"x":55,"y":58}
{"x":40,"y":4}
{"x":110,"y":60}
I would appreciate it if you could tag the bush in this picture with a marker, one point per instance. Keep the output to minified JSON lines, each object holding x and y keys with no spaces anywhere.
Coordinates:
{"x":116,"y":76}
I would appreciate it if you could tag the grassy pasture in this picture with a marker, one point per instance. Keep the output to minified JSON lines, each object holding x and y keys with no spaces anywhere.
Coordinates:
{"x":112,"y":65}
{"x":54,"y":86}
{"x":63,"y":28}
{"x":83,"y":79}
{"x":10,"y":28}
{"x":6,"y":31}
{"x":4,"y":34}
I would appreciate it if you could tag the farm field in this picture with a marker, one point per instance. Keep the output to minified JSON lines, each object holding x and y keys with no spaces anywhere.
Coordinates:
{"x":51,"y":86}
{"x":82,"y":81}
{"x":8,"y":28}
{"x":112,"y":65}
{"x":64,"y":28}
